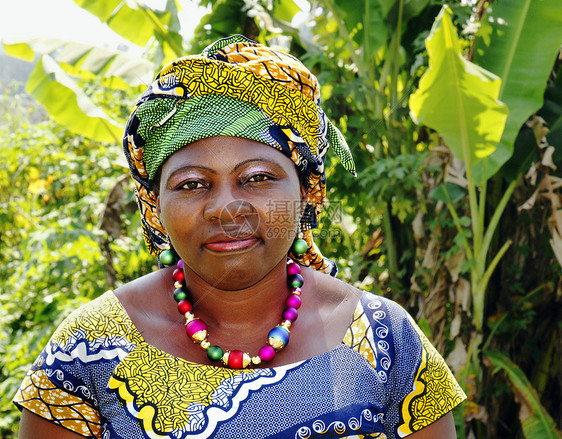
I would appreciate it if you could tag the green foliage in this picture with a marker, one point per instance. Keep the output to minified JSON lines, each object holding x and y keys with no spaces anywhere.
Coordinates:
{"x":404,"y":228}
{"x":458,"y":99}
{"x":505,"y":49}
{"x":535,"y":420}
{"x":53,"y":186}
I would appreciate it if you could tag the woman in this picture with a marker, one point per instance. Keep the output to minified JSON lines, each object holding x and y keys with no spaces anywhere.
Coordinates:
{"x":227,"y":154}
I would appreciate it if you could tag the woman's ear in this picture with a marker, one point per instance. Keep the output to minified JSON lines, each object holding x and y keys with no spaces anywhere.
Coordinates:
{"x":158,"y":209}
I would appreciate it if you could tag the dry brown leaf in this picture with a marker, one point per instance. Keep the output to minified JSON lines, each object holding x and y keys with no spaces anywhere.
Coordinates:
{"x":430,"y":255}
{"x":418,"y":226}
{"x":547,"y":158}
{"x":455,"y":173}
{"x":540,"y":130}
{"x":556,"y":244}
{"x":454,"y":263}
{"x":455,"y":326}
{"x":457,"y":358}
{"x":463,"y":298}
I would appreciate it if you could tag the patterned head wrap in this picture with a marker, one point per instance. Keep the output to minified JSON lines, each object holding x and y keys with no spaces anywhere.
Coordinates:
{"x":239,"y":88}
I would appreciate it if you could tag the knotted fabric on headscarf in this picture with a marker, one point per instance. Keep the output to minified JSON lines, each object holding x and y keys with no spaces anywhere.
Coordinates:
{"x":238,"y":88}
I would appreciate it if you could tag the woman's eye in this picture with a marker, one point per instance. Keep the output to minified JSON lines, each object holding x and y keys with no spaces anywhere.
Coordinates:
{"x":191,"y":185}
{"x":258,"y":177}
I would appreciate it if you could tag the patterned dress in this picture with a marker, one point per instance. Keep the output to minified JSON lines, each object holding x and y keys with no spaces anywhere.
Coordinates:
{"x":99,"y":378}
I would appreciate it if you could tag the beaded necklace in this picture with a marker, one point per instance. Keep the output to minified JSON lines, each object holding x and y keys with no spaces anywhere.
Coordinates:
{"x":277,"y":338}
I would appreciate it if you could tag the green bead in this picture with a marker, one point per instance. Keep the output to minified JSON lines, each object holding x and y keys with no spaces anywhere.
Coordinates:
{"x":167,"y":257}
{"x":214,"y":353}
{"x":180,"y":294}
{"x":300,"y":246}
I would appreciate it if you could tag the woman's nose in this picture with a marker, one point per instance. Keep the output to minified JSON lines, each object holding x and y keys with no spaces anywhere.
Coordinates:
{"x":225,"y":206}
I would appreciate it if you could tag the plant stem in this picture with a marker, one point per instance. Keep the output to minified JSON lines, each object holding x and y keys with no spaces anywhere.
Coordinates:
{"x":390,"y":242}
{"x":494,"y":221}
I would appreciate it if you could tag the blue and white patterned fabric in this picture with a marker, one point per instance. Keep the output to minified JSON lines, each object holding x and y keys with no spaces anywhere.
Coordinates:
{"x":99,"y":378}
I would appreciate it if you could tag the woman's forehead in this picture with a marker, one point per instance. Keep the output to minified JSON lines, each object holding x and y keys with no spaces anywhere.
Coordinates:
{"x":225,"y":150}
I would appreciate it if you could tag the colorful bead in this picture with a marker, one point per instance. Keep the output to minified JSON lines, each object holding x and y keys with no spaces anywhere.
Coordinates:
{"x":178,"y":275}
{"x":188,"y":317}
{"x":266,"y":353}
{"x":278,"y":338}
{"x":295,"y":280}
{"x":180,"y":294}
{"x":290,"y":314}
{"x":235,"y":359}
{"x":293,"y":301}
{"x":300,"y":246}
{"x":184,"y":306}
{"x":195,"y":330}
{"x":214,"y":353}
{"x":293,"y":268}
{"x":166,"y":257}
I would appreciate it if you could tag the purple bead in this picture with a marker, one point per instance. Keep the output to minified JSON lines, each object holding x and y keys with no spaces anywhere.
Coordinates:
{"x":266,"y":353}
{"x":290,"y":314}
{"x":293,"y":268}
{"x":180,"y":264}
{"x":195,"y":326}
{"x":293,"y":301}
{"x":295,"y":280}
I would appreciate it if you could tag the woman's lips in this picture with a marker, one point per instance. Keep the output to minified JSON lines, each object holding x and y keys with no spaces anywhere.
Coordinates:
{"x":228,"y":246}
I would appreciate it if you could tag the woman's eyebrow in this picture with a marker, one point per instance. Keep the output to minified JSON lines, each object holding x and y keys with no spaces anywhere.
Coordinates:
{"x":271,"y":162}
{"x":189,"y":167}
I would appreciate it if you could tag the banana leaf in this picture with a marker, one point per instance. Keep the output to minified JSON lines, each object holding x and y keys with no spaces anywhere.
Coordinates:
{"x":457,"y":98}
{"x":535,"y":420}
{"x":133,"y":20}
{"x":119,"y":70}
{"x":68,"y":105}
{"x":518,"y":41}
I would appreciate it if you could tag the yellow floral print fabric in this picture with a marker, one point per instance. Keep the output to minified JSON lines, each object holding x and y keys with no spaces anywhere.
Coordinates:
{"x":98,"y":378}
{"x":240,"y":88}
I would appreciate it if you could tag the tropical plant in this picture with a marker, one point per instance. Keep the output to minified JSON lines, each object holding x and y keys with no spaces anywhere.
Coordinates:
{"x":445,"y":257}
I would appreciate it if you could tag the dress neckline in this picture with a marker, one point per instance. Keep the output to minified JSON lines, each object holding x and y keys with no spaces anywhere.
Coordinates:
{"x":138,"y":335}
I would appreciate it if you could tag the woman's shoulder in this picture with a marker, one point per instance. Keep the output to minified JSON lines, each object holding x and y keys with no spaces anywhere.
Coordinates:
{"x":100,"y":315}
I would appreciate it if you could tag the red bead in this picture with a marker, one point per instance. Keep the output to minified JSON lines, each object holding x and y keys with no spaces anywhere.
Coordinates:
{"x":236,"y":359}
{"x":184,"y":306}
{"x":178,"y":275}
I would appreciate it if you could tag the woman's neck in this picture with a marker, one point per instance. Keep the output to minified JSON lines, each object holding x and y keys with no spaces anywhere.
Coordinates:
{"x":245,"y":309}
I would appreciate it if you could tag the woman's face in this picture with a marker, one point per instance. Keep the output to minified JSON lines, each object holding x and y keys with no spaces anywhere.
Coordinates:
{"x":231,"y":208}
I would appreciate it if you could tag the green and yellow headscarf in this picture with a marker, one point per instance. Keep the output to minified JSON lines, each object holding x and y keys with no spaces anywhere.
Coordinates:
{"x":239,"y":88}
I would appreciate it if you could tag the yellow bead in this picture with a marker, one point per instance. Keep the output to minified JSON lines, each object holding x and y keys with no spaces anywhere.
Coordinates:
{"x":256,"y":360}
{"x":225,"y":358}
{"x":178,"y":284}
{"x":275,"y":343}
{"x":199,"y":336}
{"x":188,"y":317}
{"x":205,"y":344}
{"x":287,"y":325}
{"x":246,"y":360}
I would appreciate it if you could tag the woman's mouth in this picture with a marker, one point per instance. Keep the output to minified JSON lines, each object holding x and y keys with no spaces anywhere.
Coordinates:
{"x":232,"y":245}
